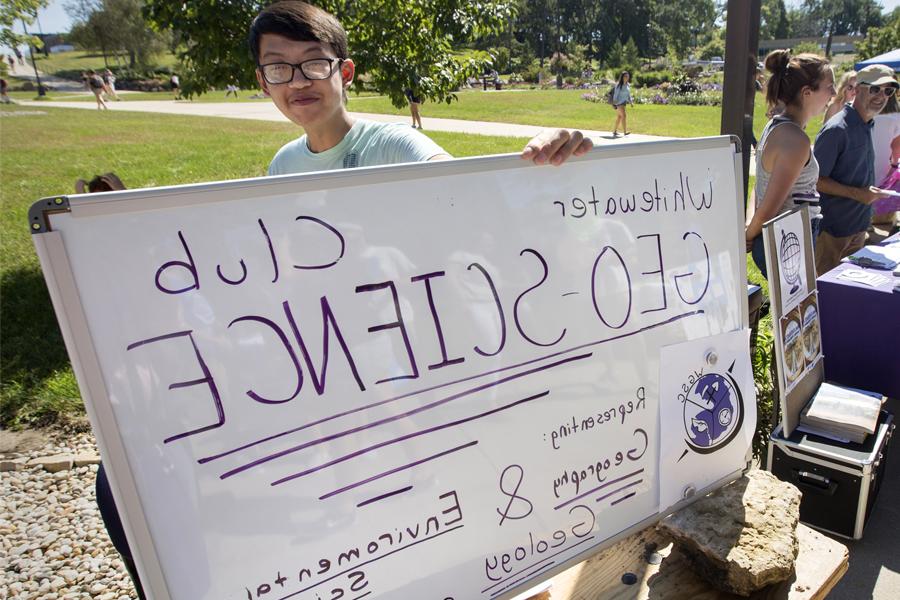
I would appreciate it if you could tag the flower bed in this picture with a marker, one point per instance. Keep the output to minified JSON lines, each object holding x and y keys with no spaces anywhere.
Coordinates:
{"x":682,"y":91}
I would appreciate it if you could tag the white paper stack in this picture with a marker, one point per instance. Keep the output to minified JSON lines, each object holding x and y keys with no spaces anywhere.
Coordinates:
{"x":842,"y":413}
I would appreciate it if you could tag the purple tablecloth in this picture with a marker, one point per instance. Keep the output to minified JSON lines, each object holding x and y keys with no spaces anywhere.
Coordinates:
{"x":861,"y":331}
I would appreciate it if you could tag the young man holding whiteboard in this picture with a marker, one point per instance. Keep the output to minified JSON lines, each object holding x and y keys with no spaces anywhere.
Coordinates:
{"x":304,"y":66}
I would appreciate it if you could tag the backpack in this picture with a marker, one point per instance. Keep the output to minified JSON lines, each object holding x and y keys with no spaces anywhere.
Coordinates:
{"x":609,"y":96}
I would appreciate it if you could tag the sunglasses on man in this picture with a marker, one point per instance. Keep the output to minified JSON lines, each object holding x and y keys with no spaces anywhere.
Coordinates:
{"x":887,"y":90}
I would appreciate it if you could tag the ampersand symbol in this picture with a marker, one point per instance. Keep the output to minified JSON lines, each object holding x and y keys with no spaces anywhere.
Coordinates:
{"x":515,"y":472}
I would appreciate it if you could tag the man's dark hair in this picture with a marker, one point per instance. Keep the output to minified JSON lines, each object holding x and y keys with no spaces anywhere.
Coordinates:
{"x":300,"y":22}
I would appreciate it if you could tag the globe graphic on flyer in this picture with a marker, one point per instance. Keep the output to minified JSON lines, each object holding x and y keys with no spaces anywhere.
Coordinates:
{"x":713,"y":413}
{"x":790,"y":259}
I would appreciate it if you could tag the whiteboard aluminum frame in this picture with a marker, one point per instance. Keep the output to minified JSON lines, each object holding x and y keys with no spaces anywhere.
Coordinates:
{"x":73,"y":322}
{"x":89,"y":374}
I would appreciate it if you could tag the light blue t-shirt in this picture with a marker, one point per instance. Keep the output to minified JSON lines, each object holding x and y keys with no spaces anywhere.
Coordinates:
{"x":367,"y":144}
{"x":621,"y":94}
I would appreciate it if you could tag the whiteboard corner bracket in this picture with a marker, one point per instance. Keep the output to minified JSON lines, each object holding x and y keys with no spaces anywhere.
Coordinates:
{"x":40,"y":210}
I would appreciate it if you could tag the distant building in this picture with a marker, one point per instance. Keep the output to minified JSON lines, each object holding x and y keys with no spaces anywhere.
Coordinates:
{"x":840,"y":44}
{"x":52,"y":39}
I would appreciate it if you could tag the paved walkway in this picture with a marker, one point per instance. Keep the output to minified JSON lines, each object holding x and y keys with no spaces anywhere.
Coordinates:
{"x":266,"y":111}
{"x":26,"y":72}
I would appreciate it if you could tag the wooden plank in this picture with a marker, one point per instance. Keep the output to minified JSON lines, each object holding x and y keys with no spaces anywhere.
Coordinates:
{"x":821,"y":562}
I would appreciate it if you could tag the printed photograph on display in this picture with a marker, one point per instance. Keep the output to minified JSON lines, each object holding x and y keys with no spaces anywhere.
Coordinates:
{"x":790,"y":254}
{"x":812,"y":339}
{"x":793,"y":359}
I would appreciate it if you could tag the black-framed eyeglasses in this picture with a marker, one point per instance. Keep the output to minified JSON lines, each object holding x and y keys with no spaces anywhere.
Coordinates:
{"x":315,"y":68}
{"x":887,"y":90}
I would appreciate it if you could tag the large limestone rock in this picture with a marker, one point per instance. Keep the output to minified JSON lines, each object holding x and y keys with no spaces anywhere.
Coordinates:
{"x":741,"y":537}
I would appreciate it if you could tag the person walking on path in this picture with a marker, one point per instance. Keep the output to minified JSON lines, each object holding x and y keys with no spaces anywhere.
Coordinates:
{"x":109,"y":81}
{"x":847,"y":168}
{"x":786,"y":169}
{"x":414,"y":100}
{"x":4,"y":96}
{"x":622,"y":96}
{"x":95,"y":83}
{"x":231,"y":89}
{"x":176,"y":86}
{"x":846,"y":92}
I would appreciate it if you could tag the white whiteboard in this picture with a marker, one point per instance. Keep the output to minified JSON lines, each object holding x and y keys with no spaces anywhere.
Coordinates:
{"x":493,"y":331}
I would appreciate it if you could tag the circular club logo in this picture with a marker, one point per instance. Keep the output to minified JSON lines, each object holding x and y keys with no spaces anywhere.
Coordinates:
{"x":790,"y":259}
{"x":713,"y":412}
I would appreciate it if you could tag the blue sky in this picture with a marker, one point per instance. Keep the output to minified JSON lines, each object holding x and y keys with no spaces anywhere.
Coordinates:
{"x":54,"y":18}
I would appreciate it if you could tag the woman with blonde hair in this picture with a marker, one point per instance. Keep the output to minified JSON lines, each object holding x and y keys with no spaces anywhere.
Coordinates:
{"x":786,"y":169}
{"x":846,"y":91}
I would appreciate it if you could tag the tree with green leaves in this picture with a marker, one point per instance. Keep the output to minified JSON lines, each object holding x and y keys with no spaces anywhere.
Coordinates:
{"x":774,"y":23}
{"x":114,"y":27}
{"x":23,"y":11}
{"x":686,"y":23}
{"x":881,"y":39}
{"x":390,"y":40}
{"x":828,"y":18}
{"x":533,"y":21}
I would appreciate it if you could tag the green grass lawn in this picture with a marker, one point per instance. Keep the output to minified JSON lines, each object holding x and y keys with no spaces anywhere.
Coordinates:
{"x":128,"y":96}
{"x":566,"y":108}
{"x":562,"y":108}
{"x":43,"y":154}
{"x":82,"y":61}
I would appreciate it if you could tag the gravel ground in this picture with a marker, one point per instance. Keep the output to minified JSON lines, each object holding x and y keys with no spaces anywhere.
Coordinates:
{"x":52,"y":541}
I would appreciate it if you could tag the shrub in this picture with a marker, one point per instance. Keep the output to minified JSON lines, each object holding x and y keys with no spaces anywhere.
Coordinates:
{"x":808,"y":47}
{"x":683,"y":84}
{"x":651,"y":78}
{"x":714,"y":47}
{"x":559,"y":64}
{"x":762,"y":361}
{"x":531,"y":73}
{"x":501,"y":60}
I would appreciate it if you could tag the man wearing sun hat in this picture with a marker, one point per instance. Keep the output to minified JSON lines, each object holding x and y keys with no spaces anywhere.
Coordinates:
{"x":847,"y":168}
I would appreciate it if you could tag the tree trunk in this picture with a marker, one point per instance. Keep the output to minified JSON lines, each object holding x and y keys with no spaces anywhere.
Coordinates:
{"x":558,"y":34}
{"x":131,"y":58}
{"x":828,"y":41}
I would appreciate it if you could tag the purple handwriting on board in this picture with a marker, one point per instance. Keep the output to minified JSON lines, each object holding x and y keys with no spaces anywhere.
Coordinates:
{"x":207,"y":380}
{"x":603,"y":486}
{"x":597,"y":471}
{"x":347,"y":562}
{"x":184,"y":270}
{"x":537,"y":549}
{"x":411,"y":465}
{"x":650,"y":201}
{"x":518,"y":506}
{"x":355,"y":581}
{"x":610,"y":269}
{"x":613,"y":415}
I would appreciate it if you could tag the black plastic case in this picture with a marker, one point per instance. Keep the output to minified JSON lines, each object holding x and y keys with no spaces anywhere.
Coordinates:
{"x":839,"y":481}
